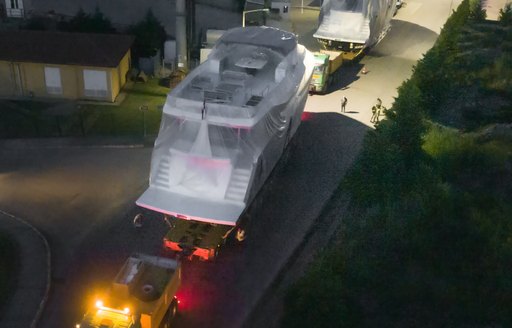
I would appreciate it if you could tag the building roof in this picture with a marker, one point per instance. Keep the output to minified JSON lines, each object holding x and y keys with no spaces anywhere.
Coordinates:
{"x":84,"y":49}
{"x":269,"y":37}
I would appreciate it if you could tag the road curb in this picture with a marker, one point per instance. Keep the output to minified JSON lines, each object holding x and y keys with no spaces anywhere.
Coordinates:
{"x":42,"y":304}
{"x":65,"y":143}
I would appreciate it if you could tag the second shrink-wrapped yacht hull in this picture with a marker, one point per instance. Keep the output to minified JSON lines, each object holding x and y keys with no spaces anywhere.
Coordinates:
{"x":353,"y":25}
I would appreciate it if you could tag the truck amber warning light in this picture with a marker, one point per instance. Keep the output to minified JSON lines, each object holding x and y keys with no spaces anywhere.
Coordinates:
{"x":142,"y":295}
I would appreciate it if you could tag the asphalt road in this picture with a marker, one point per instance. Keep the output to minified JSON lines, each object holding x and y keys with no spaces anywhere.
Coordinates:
{"x":82,"y":200}
{"x":221,"y":294}
{"x":70,"y":194}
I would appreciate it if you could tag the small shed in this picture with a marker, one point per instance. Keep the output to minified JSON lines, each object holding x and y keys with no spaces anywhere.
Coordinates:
{"x":45,"y":64}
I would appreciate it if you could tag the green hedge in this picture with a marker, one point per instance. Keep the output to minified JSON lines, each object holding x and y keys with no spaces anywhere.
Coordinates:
{"x":8,"y":267}
{"x":426,"y":240}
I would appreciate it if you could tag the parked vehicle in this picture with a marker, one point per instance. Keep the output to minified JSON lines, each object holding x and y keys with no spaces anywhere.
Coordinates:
{"x":327,"y":63}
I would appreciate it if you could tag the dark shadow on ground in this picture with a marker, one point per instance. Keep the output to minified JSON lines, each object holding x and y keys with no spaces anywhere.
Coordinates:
{"x":144,"y":93}
{"x":342,"y":137}
{"x":222,"y":294}
{"x":314,"y":3}
{"x":344,"y":76}
{"x":401,"y":37}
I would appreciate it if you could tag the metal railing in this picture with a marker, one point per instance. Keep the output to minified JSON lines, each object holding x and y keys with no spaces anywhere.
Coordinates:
{"x":15,"y":12}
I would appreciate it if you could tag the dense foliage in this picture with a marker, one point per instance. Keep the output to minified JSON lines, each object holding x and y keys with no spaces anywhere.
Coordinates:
{"x":506,"y":15}
{"x":427,"y":239}
{"x":34,"y":23}
{"x":87,"y":23}
{"x":149,"y":36}
{"x":8,"y":267}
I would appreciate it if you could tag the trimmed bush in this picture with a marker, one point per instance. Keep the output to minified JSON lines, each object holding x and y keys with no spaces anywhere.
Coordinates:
{"x":426,"y":240}
{"x":8,"y":267}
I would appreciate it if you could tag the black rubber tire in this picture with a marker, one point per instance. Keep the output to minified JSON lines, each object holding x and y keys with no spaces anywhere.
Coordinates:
{"x":170,"y":315}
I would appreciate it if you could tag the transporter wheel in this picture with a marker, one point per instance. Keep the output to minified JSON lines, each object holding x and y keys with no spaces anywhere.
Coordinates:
{"x":285,"y":155}
{"x":240,"y":235}
{"x":213,"y":254}
{"x":170,"y":315}
{"x":173,"y":311}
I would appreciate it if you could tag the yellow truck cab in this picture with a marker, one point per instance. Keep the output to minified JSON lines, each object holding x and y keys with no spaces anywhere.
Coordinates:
{"x":318,"y":82}
{"x":326,"y":64}
{"x":141,"y":296}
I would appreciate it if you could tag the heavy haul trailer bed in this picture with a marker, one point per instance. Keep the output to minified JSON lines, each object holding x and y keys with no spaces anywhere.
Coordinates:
{"x":193,"y":238}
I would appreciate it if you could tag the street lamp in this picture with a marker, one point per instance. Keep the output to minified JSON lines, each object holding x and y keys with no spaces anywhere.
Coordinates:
{"x":144,"y":109}
{"x":252,"y":11}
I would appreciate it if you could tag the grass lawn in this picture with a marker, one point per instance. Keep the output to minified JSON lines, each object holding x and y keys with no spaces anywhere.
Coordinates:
{"x":8,"y":267}
{"x":128,"y":119}
{"x":32,"y":119}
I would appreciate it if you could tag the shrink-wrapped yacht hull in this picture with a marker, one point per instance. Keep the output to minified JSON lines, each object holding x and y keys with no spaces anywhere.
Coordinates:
{"x":352,"y":25}
{"x":227,"y":124}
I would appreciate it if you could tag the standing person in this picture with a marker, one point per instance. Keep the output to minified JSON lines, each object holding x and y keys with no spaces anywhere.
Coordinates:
{"x":377,"y":115}
{"x":374,"y":114}
{"x":376,"y":111}
{"x":344,"y":102}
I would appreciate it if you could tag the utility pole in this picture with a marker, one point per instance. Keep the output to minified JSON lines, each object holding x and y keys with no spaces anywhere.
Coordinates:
{"x":181,"y":35}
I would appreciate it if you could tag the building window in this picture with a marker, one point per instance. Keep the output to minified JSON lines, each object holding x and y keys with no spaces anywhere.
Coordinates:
{"x":52,"y":80}
{"x":14,"y":8}
{"x":95,"y":84}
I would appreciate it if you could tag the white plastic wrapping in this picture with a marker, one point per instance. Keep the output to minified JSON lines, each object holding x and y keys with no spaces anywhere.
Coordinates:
{"x":355,"y":21}
{"x":226,"y":125}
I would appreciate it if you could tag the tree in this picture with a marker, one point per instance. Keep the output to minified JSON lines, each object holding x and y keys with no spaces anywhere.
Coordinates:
{"x":240,"y":4}
{"x":149,"y":36}
{"x":476,"y":12}
{"x":35,"y":23}
{"x":100,"y":23}
{"x":506,"y":15}
{"x":85,"y":23}
{"x":316,"y":300}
